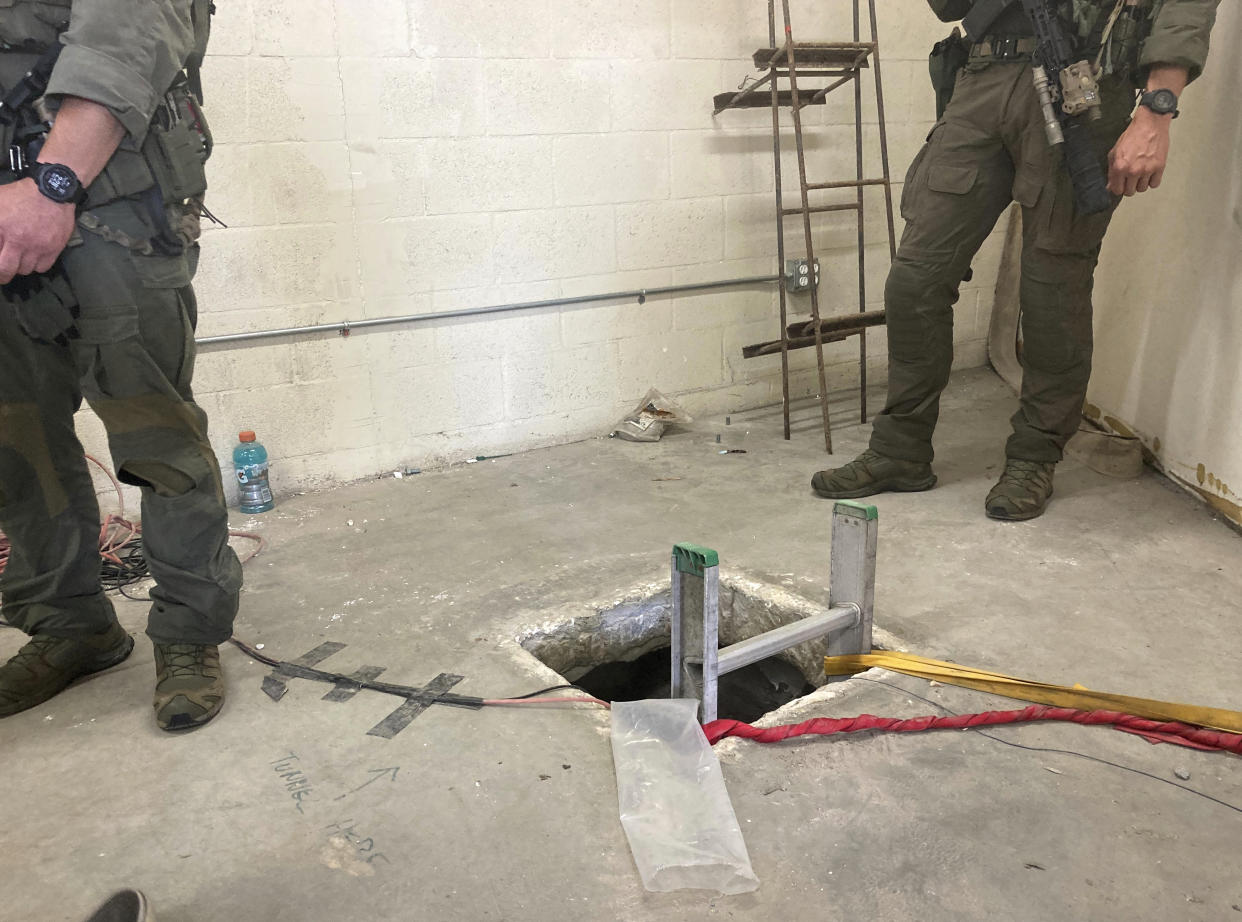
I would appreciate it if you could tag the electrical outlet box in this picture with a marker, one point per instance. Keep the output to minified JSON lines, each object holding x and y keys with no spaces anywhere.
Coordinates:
{"x":799,"y":276}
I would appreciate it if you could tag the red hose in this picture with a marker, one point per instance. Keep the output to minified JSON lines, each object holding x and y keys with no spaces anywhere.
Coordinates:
{"x":1182,"y":734}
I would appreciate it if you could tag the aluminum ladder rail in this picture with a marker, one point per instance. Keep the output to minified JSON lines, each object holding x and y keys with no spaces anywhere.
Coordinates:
{"x":697,"y":660}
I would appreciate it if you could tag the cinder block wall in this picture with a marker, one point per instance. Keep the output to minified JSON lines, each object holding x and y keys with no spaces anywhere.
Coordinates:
{"x":389,"y":157}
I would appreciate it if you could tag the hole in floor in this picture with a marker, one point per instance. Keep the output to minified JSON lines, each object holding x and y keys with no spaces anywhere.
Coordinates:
{"x":619,"y":649}
{"x":745,"y":695}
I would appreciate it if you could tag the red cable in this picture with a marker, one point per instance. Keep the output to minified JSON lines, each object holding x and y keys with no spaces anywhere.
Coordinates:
{"x":1182,"y":734}
{"x":491,"y":701}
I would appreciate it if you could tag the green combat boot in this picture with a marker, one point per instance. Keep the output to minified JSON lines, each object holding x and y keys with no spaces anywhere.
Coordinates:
{"x":47,"y":665}
{"x":872,"y":472}
{"x":1022,"y":492}
{"x":189,"y":685}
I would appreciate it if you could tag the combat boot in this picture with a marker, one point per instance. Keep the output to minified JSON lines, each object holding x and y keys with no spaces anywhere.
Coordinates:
{"x":47,"y":665}
{"x":1022,"y":492}
{"x":872,"y":472}
{"x":189,"y":685}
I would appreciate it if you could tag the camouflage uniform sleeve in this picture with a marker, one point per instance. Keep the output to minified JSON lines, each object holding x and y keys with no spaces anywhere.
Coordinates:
{"x":1179,"y":35}
{"x":950,"y":10}
{"x":124,"y":54}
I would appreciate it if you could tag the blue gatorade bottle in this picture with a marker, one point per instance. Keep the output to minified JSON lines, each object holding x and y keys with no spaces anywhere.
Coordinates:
{"x":250,"y":462}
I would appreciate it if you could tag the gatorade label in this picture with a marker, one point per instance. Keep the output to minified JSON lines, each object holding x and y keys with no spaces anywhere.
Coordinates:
{"x":256,"y":490}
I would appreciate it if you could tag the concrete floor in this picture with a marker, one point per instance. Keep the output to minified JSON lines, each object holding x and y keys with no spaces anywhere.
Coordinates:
{"x":511,"y":814}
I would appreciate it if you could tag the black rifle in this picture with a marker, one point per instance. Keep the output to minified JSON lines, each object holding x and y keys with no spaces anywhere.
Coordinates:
{"x":43,"y":303}
{"x":1070,"y":98}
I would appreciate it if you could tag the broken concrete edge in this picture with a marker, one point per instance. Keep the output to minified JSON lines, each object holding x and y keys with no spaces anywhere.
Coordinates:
{"x":562,"y":643}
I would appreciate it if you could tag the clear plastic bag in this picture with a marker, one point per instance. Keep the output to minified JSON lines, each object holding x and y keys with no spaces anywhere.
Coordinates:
{"x":649,"y":419}
{"x":674,"y":805}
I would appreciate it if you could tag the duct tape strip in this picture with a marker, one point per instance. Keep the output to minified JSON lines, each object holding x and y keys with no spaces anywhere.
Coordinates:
{"x":399,"y":719}
{"x":276,"y":684}
{"x":343,"y":691}
{"x":1063,"y":696}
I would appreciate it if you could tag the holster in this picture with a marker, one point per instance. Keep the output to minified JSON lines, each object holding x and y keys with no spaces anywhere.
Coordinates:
{"x":948,"y":56}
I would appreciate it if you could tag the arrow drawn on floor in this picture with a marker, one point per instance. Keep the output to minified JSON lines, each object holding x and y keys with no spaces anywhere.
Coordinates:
{"x":376,"y":774}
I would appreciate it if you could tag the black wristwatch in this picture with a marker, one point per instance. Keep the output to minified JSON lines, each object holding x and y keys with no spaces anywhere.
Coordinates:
{"x":58,"y":182}
{"x":1162,"y":102}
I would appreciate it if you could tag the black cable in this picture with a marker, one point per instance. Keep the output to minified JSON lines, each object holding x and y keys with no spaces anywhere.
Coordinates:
{"x":405,"y":691}
{"x":298,"y":671}
{"x":1067,"y":752}
{"x":129,"y":567}
{"x":550,"y":688}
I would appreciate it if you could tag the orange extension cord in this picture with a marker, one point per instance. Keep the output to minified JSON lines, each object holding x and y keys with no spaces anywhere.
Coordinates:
{"x":117,"y":532}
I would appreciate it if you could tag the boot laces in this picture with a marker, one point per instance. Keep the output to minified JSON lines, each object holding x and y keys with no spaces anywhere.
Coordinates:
{"x":1025,"y":473}
{"x":32,"y":652}
{"x":183,"y":660}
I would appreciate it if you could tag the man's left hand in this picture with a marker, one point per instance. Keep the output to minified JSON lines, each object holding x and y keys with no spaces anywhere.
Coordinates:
{"x":1137,"y":162}
{"x":33,"y":230}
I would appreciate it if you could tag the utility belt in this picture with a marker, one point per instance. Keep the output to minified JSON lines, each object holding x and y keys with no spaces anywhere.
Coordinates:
{"x":166,"y":177}
{"x":1003,"y":48}
{"x":167,"y":173}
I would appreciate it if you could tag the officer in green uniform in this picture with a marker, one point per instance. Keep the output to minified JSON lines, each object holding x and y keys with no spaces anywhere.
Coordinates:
{"x":98,"y":245}
{"x":989,"y":149}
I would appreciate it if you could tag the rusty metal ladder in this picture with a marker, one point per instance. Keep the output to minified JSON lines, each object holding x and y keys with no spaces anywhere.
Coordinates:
{"x":844,"y":62}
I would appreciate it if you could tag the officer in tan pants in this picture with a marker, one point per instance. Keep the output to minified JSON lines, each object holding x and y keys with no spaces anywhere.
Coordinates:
{"x":98,"y":246}
{"x":988,"y":150}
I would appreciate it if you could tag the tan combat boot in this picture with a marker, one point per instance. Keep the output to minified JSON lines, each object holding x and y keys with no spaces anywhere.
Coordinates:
{"x":189,"y":685}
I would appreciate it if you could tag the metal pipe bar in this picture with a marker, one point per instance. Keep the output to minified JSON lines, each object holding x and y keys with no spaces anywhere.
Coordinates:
{"x":780,"y":224}
{"x":761,"y":646}
{"x":346,"y":327}
{"x":822,"y":95}
{"x":862,"y":231}
{"x":838,"y":324}
{"x":742,"y":94}
{"x":806,"y":224}
{"x":847,"y":184}
{"x":879,"y":105}
{"x":791,"y":343}
{"x":820,"y":209}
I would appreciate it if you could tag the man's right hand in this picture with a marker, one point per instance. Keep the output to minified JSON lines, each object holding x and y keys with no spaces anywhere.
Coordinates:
{"x":33,"y":230}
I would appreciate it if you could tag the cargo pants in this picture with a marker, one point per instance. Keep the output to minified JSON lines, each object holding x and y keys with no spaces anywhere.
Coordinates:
{"x":989,"y":150}
{"x":133,"y":362}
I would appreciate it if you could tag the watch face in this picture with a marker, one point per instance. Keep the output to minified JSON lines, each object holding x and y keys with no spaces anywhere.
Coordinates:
{"x":1163,"y":101}
{"x":58,"y":183}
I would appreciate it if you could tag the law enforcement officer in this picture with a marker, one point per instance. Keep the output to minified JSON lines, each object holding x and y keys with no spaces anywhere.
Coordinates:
{"x":98,"y":245}
{"x":989,"y":148}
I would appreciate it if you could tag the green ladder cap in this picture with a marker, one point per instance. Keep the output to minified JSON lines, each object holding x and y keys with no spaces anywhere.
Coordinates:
{"x":858,"y":510}
{"x":694,"y":558}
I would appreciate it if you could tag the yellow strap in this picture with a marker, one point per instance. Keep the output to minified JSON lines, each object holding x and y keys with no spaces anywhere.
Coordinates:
{"x":1039,"y":692}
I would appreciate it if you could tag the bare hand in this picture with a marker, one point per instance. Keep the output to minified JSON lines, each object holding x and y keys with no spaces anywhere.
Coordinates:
{"x":33,"y":230}
{"x":1137,"y":162}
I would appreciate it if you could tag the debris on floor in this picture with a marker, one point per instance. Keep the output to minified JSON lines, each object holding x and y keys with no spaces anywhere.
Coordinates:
{"x":649,"y":419}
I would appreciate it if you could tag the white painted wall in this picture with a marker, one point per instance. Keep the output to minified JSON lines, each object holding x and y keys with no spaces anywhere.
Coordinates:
{"x":1168,"y":355}
{"x":387,"y":157}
